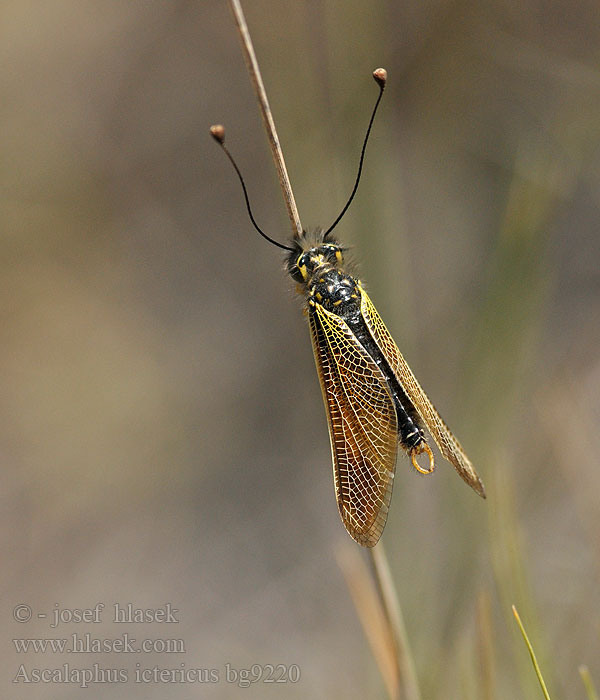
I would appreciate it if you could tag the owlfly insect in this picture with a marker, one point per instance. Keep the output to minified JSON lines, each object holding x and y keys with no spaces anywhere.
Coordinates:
{"x":372,"y":399}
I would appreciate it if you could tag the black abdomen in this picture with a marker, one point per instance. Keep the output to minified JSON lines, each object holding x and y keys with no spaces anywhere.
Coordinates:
{"x":410,"y":431}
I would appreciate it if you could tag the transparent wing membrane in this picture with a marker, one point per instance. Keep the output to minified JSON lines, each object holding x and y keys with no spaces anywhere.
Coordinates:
{"x":362,"y":426}
{"x":449,"y":446}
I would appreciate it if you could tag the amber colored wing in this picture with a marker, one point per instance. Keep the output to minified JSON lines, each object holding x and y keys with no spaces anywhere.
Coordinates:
{"x":449,"y":446}
{"x":362,"y":426}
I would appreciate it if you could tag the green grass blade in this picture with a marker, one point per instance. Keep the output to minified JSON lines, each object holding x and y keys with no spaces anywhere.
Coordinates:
{"x":532,"y":654}
{"x":584,"y":672}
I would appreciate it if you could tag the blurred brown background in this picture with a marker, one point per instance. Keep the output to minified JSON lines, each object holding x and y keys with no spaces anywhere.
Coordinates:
{"x":163,"y":437}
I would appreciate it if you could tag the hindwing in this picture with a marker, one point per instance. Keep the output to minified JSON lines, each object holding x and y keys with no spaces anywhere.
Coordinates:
{"x":448,"y":445}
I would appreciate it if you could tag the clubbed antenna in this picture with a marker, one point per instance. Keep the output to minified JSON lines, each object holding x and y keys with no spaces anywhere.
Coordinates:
{"x":380,"y":76}
{"x":217,"y":131}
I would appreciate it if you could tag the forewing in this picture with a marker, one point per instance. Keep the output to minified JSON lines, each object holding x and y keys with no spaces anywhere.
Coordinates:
{"x":449,"y":446}
{"x":362,"y":426}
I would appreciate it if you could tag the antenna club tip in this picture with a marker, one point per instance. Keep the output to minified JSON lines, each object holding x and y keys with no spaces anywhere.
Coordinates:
{"x":380,"y":76}
{"x":217,"y":131}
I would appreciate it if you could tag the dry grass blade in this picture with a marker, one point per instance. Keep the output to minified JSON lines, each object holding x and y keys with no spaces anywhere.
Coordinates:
{"x":378,"y":610}
{"x":393,"y":612}
{"x":532,"y":654}
{"x":372,"y":617}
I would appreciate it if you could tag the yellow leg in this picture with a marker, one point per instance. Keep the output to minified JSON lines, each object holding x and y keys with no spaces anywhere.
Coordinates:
{"x":416,"y":451}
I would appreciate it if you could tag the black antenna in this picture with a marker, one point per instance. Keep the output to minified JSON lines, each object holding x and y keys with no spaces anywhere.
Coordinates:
{"x":218,"y":133}
{"x":380,"y":76}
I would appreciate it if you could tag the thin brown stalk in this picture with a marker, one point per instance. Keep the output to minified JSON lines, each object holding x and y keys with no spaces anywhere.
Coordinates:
{"x":267,"y":116}
{"x":374,"y":597}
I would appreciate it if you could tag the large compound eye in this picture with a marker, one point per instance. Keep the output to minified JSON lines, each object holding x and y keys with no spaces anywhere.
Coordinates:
{"x":332,"y":252}
{"x":301,"y":267}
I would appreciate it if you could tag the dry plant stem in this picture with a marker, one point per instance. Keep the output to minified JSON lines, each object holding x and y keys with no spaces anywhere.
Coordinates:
{"x":406,"y":687}
{"x":367,"y":602}
{"x":265,"y":110}
{"x":393,"y":615}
